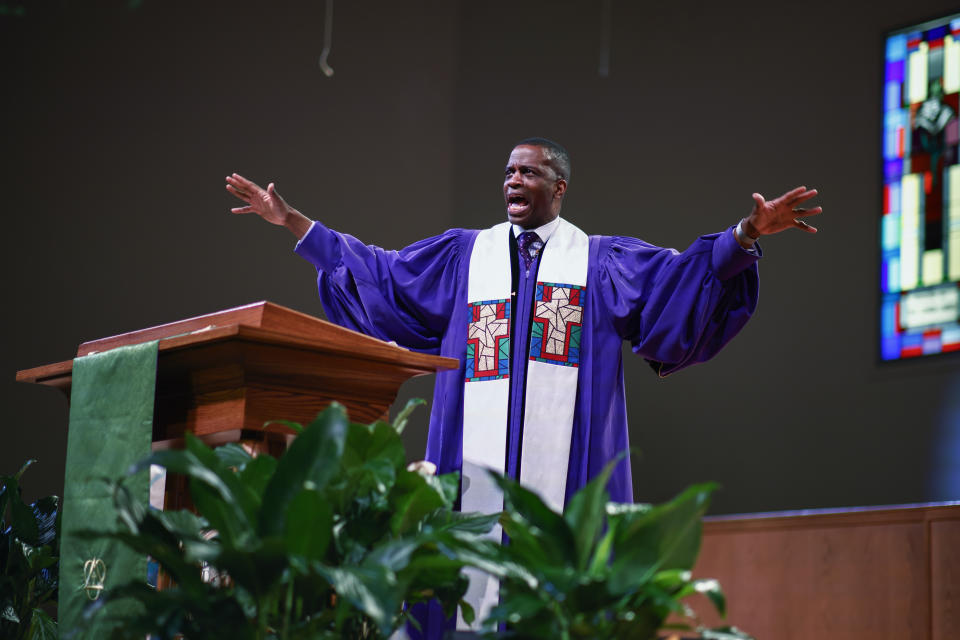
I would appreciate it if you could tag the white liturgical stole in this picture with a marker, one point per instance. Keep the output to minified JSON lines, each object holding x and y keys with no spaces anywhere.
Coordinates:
{"x":551,"y":381}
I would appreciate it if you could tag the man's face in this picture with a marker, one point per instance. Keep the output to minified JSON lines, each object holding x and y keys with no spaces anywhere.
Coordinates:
{"x":532,"y":191}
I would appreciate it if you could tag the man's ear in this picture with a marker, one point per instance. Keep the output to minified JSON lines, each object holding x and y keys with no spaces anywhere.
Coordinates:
{"x":560,"y":188}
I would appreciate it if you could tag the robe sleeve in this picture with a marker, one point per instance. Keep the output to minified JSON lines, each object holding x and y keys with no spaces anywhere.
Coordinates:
{"x":678,"y":309}
{"x":404,"y":296}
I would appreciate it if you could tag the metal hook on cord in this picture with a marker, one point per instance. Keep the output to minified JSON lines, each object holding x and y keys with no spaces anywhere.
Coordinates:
{"x":327,"y":40}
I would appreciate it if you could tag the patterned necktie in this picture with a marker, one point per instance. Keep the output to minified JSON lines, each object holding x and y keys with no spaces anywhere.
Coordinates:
{"x":529,"y":244}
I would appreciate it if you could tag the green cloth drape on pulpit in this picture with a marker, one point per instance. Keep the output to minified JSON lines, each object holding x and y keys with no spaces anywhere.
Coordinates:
{"x":111,"y":427}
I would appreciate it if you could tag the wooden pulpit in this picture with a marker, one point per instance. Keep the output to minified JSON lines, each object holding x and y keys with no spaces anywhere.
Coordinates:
{"x":223,"y":375}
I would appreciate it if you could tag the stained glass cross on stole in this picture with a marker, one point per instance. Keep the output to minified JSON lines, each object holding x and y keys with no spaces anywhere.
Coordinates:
{"x":488,"y":341}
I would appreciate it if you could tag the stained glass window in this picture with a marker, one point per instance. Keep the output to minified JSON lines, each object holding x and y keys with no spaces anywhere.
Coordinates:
{"x":920,"y":222}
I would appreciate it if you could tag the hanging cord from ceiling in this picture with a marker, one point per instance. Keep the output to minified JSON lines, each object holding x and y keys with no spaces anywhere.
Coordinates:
{"x":327,"y":40}
{"x":606,"y":25}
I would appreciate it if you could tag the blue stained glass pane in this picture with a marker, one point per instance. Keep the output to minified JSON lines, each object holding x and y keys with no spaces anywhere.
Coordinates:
{"x":895,"y":118}
{"x":892,"y":170}
{"x":897,"y":48}
{"x":888,"y":319}
{"x":955,"y":24}
{"x":916,"y":35}
{"x":893,"y":276}
{"x":892,"y":96}
{"x":937,"y":32}
{"x":890,"y":348}
{"x":891,"y":232}
{"x":889,"y":147}
{"x":931,"y":345}
{"x":908,"y":340}
{"x":883,"y":275}
{"x":895,"y":71}
{"x":535,"y":347}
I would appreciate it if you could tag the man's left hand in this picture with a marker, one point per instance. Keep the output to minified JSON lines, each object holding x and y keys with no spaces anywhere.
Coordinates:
{"x":773,"y":216}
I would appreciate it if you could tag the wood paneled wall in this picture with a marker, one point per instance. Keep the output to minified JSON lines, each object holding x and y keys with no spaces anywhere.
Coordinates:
{"x":873,"y":573}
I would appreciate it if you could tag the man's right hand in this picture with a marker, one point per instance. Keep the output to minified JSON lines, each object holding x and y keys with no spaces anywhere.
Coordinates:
{"x":267,"y":204}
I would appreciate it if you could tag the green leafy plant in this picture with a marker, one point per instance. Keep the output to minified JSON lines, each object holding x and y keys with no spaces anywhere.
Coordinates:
{"x":601,"y":569}
{"x":329,"y":541}
{"x":332,"y":539}
{"x":29,"y":547}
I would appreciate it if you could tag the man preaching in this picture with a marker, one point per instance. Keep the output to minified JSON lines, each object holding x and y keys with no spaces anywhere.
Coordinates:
{"x":536,"y":312}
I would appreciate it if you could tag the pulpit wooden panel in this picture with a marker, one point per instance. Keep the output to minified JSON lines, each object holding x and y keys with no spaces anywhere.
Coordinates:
{"x":858,"y":574}
{"x":945,"y":577}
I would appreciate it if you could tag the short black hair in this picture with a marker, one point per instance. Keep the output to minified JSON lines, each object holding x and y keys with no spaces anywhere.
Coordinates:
{"x":559,"y":158}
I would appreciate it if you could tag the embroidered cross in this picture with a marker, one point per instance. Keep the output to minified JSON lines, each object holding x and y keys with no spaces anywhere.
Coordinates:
{"x":488,"y":341}
{"x":557,"y":322}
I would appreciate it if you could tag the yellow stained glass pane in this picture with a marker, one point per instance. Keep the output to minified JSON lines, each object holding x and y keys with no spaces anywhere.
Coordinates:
{"x":909,"y":236}
{"x":932,"y":267}
{"x":917,"y":78}
{"x":951,"y":65}
{"x":953,"y":257}
{"x":953,"y":180}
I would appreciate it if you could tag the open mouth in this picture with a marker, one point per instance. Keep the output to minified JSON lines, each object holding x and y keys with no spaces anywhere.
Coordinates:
{"x":517,"y":204}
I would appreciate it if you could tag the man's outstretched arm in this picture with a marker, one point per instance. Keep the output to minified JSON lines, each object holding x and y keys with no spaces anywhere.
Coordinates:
{"x":267,"y":204}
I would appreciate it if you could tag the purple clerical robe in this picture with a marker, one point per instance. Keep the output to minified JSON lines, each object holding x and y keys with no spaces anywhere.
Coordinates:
{"x":676,"y":309}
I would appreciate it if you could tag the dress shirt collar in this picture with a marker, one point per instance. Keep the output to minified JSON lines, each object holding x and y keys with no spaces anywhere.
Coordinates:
{"x":544,"y":232}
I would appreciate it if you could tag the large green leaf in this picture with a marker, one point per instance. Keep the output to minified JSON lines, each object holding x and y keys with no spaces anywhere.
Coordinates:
{"x":372,"y":590}
{"x":183,"y":523}
{"x":45,"y":511}
{"x":413,"y":497}
{"x":244,"y":495}
{"x":42,"y":626}
{"x":233,"y":455}
{"x":22,"y":519}
{"x":257,"y":570}
{"x":393,"y":555}
{"x":308,"y":527}
{"x":38,"y":558}
{"x":517,"y":606}
{"x":312,"y":459}
{"x":549,"y":528}
{"x":257,"y":473}
{"x":372,"y":456}
{"x":296,"y":427}
{"x":373,"y":441}
{"x":26,"y":465}
{"x":451,"y":487}
{"x":664,"y":537}
{"x":490,"y":557}
{"x":159,"y":534}
{"x":213,"y":495}
{"x":711,"y":588}
{"x":586,"y":513}
{"x":400,"y":422}
{"x":471,"y":523}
